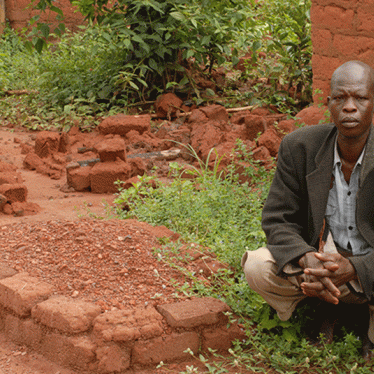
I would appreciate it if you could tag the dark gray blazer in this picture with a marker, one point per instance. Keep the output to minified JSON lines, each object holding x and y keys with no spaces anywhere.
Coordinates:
{"x":293,"y":214}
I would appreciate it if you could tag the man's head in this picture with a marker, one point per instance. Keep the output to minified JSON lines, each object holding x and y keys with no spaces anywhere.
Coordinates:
{"x":351,"y":102}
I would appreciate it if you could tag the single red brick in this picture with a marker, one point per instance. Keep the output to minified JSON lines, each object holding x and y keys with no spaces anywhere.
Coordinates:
{"x":76,"y":352}
{"x":365,"y":19}
{"x":113,"y":359}
{"x":367,"y":57}
{"x":170,"y":348}
{"x":121,"y":124}
{"x":167,"y":105}
{"x":197,"y":116}
{"x":7,"y":209}
{"x":332,"y":17}
{"x":285,"y":127}
{"x":137,"y":165}
{"x":261,"y":154}
{"x":216,"y":113}
{"x":312,"y":115}
{"x":14,"y":192}
{"x":111,"y":149}
{"x":21,"y":293}
{"x":221,"y":338}
{"x":46,"y":143}
{"x":352,"y":46}
{"x":193,"y":313}
{"x":33,"y":162}
{"x":271,"y":141}
{"x":254,"y":125}
{"x":104,"y":174}
{"x":23,"y":331}
{"x":6,"y":271}
{"x":322,"y":41}
{"x":18,"y":16}
{"x":206,"y":137}
{"x":66,"y":314}
{"x":5,"y":166}
{"x":79,"y":178}
{"x":10,"y":177}
{"x":128,"y":325}
{"x":323,"y":67}
{"x":345,"y":4}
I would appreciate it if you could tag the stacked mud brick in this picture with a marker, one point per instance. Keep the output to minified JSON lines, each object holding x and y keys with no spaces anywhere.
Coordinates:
{"x":13,"y":192}
{"x":100,"y":174}
{"x":342,"y":30}
{"x":76,"y":334}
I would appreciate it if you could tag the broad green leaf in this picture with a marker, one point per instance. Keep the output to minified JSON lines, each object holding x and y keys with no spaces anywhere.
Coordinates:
{"x":44,"y":29}
{"x":39,"y":45}
{"x":57,"y":10}
{"x":190,"y":53}
{"x":177,"y":15}
{"x":184,"y":80}
{"x":134,"y":86}
{"x":235,"y":60}
{"x":152,"y":64}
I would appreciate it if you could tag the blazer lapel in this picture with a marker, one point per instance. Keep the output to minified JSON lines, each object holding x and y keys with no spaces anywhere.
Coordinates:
{"x":319,"y":182}
{"x":368,"y":163}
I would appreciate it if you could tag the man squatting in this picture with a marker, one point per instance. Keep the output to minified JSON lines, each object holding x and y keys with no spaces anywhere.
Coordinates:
{"x":319,"y":214}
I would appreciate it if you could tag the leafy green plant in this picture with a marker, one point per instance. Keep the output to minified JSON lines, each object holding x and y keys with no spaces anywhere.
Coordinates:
{"x":159,"y":38}
{"x":284,"y":76}
{"x":71,"y":83}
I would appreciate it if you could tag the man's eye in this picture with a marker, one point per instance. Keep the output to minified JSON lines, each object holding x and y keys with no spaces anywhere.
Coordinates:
{"x":361,"y":98}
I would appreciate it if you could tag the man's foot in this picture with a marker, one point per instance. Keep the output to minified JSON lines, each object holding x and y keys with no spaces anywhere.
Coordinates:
{"x":327,"y":330}
{"x":367,"y":349}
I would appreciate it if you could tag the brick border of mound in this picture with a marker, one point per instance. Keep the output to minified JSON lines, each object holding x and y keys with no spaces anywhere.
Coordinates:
{"x":76,"y":334}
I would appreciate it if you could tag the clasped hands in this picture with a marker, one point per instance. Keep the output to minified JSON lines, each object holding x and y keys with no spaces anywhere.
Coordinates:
{"x":326,"y":272}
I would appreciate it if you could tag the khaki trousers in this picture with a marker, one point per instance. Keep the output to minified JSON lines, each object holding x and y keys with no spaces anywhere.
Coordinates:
{"x":283,"y":294}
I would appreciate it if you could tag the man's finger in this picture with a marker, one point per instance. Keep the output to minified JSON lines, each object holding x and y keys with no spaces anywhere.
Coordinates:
{"x":318,"y":272}
{"x":327,"y":296}
{"x":323,"y":283}
{"x":330,"y":286}
{"x":312,"y":286}
{"x":332,"y":266}
{"x":318,"y":290}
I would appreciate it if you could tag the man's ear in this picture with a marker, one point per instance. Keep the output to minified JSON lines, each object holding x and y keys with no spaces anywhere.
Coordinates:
{"x":328,"y":100}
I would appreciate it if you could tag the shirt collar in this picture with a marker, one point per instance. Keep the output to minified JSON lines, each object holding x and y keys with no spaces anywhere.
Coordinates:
{"x":337,"y":160}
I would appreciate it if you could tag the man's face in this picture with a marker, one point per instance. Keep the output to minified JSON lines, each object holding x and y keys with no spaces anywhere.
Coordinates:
{"x":351,"y":102}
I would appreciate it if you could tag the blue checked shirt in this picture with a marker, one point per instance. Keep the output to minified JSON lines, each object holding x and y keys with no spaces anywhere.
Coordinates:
{"x":341,"y":208}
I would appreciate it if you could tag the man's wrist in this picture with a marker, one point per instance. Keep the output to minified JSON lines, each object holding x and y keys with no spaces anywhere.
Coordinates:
{"x":302,"y":261}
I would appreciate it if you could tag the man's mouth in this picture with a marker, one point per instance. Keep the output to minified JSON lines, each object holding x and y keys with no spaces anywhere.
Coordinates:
{"x":350,"y":122}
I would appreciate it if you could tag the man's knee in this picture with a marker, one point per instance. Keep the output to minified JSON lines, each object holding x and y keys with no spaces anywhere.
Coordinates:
{"x":259,"y":267}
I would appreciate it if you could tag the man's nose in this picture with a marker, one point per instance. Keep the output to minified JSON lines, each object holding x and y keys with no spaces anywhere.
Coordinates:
{"x":350,"y":105}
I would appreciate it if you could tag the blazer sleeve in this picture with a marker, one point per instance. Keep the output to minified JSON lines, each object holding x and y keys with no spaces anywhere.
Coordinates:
{"x":285,"y":217}
{"x":364,"y":269}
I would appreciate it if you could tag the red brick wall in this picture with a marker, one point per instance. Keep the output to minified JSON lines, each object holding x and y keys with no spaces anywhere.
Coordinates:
{"x":18,"y":15}
{"x":342,"y":30}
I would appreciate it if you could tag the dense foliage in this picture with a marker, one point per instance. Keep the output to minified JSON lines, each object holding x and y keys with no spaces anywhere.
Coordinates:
{"x":158,"y":37}
{"x":139,"y":49}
